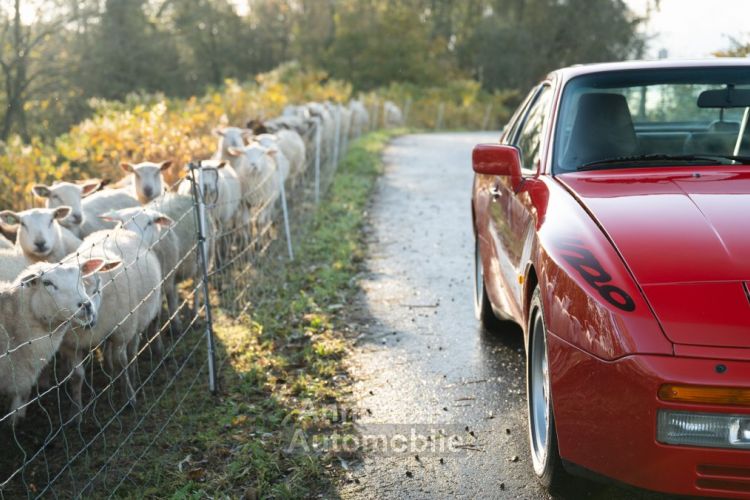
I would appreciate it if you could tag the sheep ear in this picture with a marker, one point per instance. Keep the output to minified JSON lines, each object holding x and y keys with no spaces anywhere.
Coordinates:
{"x":234,"y":151}
{"x":272,"y":152}
{"x":9,"y":219}
{"x":90,"y":267}
{"x":111,"y":216}
{"x":40,"y":191}
{"x":90,"y":188}
{"x":165,"y":165}
{"x":110,"y":265}
{"x":221,"y":164}
{"x":30,"y":280}
{"x":218,"y":132}
{"x":61,"y":212}
{"x":163,"y":221}
{"x":127,"y":167}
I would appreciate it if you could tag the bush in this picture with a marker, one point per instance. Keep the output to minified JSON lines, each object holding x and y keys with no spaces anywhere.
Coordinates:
{"x":154,"y":127}
{"x":464,"y":105}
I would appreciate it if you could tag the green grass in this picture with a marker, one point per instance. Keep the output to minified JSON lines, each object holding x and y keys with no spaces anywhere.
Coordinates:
{"x":279,"y":365}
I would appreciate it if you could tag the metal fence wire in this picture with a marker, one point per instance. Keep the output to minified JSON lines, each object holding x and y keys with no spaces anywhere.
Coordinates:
{"x":94,"y":346}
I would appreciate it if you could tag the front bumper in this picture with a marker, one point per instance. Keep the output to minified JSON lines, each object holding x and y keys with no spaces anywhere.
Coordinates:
{"x":606,"y":414}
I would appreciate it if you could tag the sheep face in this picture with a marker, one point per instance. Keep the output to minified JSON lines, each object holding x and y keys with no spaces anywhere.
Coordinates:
{"x":257,"y":156}
{"x":230,"y":138}
{"x":37,"y":233}
{"x":207,"y":177}
{"x":66,"y":194}
{"x":56,"y":292}
{"x":148,"y":179}
{"x":145,"y":222}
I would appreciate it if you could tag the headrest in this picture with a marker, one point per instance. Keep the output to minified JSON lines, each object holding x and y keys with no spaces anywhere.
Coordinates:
{"x":603,"y":128}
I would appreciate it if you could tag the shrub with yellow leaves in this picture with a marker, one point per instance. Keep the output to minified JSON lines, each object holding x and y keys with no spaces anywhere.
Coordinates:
{"x":154,"y":128}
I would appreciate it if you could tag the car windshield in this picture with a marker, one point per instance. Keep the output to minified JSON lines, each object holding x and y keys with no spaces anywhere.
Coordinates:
{"x":652,"y":118}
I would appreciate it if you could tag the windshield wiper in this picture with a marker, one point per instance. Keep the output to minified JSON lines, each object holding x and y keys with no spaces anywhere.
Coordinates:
{"x":601,"y":164}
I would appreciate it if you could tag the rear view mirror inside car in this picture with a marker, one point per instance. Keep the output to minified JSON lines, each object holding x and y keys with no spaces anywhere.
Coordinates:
{"x":729,"y":97}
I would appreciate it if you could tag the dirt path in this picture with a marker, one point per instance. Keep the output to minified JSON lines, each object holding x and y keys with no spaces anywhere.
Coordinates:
{"x":425,"y":366}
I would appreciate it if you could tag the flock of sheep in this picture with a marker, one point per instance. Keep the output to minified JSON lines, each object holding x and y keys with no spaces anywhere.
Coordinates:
{"x":90,"y":270}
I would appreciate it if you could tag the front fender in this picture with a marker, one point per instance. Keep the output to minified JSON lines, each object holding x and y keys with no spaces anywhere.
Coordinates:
{"x":591,"y":299}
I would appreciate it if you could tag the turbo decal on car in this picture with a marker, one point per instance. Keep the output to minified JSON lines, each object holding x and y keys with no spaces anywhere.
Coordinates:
{"x":594,"y":274}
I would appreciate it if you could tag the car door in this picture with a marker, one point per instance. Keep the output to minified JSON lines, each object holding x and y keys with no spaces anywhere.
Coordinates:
{"x":510,"y":217}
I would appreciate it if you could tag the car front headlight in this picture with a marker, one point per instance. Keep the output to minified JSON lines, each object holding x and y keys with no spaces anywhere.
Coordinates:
{"x":712,"y":430}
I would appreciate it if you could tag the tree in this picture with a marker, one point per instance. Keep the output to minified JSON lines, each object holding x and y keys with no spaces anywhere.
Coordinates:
{"x":129,"y":53}
{"x":28,"y":71}
{"x":520,"y":41}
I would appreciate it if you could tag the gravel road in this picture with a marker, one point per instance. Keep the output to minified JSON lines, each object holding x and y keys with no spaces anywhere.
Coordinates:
{"x":425,"y":370}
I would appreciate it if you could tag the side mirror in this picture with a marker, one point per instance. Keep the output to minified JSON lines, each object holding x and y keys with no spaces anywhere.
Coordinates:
{"x":497,"y":159}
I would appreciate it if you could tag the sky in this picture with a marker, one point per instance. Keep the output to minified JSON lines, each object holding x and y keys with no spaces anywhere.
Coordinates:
{"x":694,"y":28}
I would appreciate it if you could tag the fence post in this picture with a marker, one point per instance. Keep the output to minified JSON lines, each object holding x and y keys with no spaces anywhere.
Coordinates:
{"x":317,"y":160}
{"x":407,"y":110}
{"x":285,"y":212}
{"x":337,"y":139}
{"x":486,"y":120}
{"x":202,"y":249}
{"x":441,"y":112}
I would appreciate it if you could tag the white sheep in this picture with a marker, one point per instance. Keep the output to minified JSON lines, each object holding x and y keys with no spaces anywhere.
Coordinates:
{"x":147,"y":180}
{"x":180,"y":208}
{"x":39,"y":234}
{"x":231,"y":139}
{"x":36,"y":310}
{"x":14,"y":261}
{"x":100,"y":203}
{"x":67,"y":194}
{"x":258,"y":179}
{"x":291,"y":145}
{"x":327,"y":125}
{"x":155,"y":229}
{"x":360,"y":118}
{"x":130,"y":302}
{"x":221,"y":189}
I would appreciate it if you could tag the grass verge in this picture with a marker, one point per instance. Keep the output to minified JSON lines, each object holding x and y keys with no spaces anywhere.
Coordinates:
{"x":280,"y":366}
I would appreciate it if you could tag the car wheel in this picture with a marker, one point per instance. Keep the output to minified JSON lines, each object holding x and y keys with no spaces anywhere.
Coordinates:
{"x":482,"y":306}
{"x":545,"y":455}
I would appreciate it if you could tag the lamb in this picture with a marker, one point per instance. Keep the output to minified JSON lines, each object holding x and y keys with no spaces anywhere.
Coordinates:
{"x":180,"y":209}
{"x":101,"y":202}
{"x":327,"y":125}
{"x":231,"y":139}
{"x":14,"y":261}
{"x":360,"y":120}
{"x":133,"y":288}
{"x":291,"y":145}
{"x":221,"y":191}
{"x":36,"y":310}
{"x":67,"y":194}
{"x":147,"y":181}
{"x":39,"y":234}
{"x":153,"y":226}
{"x":258,"y":180}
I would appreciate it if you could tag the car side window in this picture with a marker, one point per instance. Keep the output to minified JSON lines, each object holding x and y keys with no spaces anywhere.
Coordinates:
{"x":517,"y":119}
{"x":529,"y":139}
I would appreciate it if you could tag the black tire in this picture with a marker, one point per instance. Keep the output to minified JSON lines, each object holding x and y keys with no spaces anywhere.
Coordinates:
{"x":482,"y":306}
{"x":545,"y":455}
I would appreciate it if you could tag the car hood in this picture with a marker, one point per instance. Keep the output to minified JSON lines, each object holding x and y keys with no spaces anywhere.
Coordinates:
{"x":684,"y":234}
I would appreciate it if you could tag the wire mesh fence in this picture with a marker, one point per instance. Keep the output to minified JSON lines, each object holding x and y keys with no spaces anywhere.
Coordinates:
{"x":101,"y":348}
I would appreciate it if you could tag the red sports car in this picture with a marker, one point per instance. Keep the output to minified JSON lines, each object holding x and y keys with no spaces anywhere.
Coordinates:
{"x":612,"y":220}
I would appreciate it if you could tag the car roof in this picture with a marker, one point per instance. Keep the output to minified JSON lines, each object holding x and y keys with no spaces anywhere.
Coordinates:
{"x":566,"y":74}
